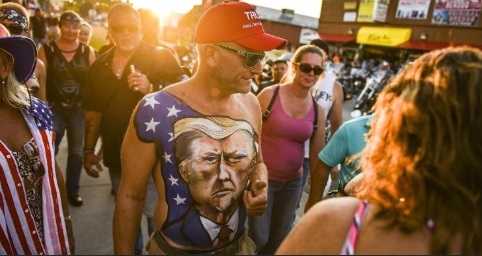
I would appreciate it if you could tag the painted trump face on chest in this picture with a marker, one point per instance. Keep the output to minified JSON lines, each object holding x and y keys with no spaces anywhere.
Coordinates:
{"x":217,"y":170}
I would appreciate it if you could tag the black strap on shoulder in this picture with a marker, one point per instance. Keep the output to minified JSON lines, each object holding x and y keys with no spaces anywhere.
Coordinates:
{"x":315,"y":123}
{"x":267,"y":112}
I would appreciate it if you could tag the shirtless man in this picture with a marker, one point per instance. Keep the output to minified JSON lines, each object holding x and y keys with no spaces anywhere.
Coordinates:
{"x":229,"y":57}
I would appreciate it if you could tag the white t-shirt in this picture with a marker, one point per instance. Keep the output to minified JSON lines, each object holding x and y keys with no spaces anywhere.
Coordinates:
{"x":322,"y":91}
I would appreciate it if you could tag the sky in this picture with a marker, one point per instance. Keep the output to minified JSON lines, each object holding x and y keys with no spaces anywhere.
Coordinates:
{"x":305,"y":7}
{"x":162,"y":7}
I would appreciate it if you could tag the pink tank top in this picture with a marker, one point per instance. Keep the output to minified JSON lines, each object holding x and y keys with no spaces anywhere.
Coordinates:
{"x":282,"y":142}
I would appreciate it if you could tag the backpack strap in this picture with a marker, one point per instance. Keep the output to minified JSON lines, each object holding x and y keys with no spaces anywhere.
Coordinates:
{"x":315,"y":122}
{"x":267,"y":112}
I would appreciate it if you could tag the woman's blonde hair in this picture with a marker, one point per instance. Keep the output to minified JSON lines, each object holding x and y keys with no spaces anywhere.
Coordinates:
{"x":12,"y":93}
{"x":423,"y":158}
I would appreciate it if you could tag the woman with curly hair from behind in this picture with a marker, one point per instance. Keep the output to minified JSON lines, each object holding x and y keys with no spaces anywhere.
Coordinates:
{"x":421,"y":191}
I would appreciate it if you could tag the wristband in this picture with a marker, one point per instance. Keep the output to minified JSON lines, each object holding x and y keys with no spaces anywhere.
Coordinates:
{"x":89,"y":151}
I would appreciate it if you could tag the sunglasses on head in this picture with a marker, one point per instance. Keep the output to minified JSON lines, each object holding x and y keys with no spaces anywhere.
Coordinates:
{"x":15,"y":29}
{"x":307,"y":68}
{"x":250,"y":58}
{"x":131,"y":28}
{"x":33,"y":155}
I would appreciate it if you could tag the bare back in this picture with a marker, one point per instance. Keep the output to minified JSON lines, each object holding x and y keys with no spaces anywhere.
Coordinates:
{"x":324,"y":229}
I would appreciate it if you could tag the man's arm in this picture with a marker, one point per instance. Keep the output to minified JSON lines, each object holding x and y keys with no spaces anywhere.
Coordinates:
{"x":352,"y":187}
{"x":138,"y":160}
{"x":92,"y":132}
{"x":41,"y":74}
{"x":336,"y":115}
{"x":318,"y":175}
{"x":256,"y":197}
{"x":41,"y":55}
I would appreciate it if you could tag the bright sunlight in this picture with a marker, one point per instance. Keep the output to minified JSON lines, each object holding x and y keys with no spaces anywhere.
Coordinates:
{"x":163,"y":8}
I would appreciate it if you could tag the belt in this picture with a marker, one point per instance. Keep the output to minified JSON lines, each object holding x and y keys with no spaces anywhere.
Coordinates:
{"x":228,"y":250}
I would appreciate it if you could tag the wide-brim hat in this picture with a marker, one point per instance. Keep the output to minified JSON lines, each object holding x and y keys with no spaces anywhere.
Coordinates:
{"x":23,"y":52}
{"x":236,"y":22}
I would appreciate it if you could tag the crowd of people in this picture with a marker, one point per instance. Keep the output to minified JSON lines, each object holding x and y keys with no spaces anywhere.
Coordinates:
{"x":218,"y":167}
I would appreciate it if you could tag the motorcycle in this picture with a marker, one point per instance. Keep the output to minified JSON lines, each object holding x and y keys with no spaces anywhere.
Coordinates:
{"x":373,"y":86}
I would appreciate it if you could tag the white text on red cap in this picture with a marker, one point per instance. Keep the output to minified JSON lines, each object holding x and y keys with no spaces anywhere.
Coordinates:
{"x":251,"y":15}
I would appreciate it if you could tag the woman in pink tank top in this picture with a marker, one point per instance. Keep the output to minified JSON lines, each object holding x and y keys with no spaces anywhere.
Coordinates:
{"x":291,"y":120}
{"x":422,"y":169}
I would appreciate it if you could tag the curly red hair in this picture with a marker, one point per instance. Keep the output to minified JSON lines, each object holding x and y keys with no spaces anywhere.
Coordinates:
{"x":423,"y":158}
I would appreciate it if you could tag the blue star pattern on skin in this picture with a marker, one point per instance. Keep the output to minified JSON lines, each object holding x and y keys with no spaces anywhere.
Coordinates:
{"x":179,"y":200}
{"x":173,"y":180}
{"x":151,"y":102}
{"x":167,"y":157}
{"x":151,"y":125}
{"x":173,"y":111}
{"x":154,"y":123}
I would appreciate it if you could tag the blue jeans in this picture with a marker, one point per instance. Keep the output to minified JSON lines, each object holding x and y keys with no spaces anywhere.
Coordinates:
{"x":269,"y":229}
{"x":70,"y":120}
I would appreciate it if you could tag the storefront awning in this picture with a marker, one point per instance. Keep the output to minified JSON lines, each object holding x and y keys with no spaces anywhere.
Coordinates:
{"x":428,"y":45}
{"x":383,"y":36}
{"x":337,"y":38}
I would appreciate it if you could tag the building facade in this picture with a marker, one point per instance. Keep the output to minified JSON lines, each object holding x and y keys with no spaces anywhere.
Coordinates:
{"x":421,"y":25}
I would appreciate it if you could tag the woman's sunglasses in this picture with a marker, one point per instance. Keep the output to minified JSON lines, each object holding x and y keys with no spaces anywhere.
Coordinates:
{"x":307,"y":68}
{"x":250,"y":58}
{"x":33,"y":155}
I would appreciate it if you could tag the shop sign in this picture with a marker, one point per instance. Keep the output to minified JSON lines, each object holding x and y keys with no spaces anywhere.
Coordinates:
{"x":412,"y":9}
{"x":383,"y":36}
{"x":365,"y":11}
{"x":380,"y":10}
{"x":457,"y":12}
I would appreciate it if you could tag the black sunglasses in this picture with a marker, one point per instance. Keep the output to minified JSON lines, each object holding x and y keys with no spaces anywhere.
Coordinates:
{"x":131,"y":28}
{"x":15,"y":29}
{"x":33,"y":155}
{"x":307,"y":68}
{"x":250,"y":58}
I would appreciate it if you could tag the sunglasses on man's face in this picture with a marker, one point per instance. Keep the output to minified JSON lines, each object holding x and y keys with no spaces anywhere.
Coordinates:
{"x":15,"y":29}
{"x":307,"y":68}
{"x":250,"y":58}
{"x":33,"y":155}
{"x":131,"y":28}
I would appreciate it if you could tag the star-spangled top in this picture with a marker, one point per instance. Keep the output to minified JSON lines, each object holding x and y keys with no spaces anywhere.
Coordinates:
{"x":41,"y":113}
{"x":154,"y":122}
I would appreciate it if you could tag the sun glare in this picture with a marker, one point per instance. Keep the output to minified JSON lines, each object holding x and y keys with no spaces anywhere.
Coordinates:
{"x":164,"y":8}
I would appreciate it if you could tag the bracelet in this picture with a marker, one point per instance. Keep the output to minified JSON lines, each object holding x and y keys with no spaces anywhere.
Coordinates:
{"x":69,"y":218}
{"x":151,"y":88}
{"x":89,"y":151}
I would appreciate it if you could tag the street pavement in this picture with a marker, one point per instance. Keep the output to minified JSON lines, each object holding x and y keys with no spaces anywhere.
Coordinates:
{"x":92,"y":222}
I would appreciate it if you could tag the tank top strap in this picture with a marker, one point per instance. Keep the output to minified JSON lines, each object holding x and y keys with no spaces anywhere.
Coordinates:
{"x":352,"y":236}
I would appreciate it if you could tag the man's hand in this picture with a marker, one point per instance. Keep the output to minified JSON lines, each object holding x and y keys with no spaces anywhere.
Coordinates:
{"x":92,"y":165}
{"x":256,"y":199}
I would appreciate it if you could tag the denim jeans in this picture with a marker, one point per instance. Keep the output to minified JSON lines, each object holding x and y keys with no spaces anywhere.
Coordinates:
{"x":70,"y":120}
{"x":269,"y":229}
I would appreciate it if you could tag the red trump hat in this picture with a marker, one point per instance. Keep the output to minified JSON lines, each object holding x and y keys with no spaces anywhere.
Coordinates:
{"x":236,"y":22}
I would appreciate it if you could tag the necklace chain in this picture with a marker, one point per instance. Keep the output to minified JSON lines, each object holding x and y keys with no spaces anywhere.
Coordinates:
{"x":71,"y":51}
